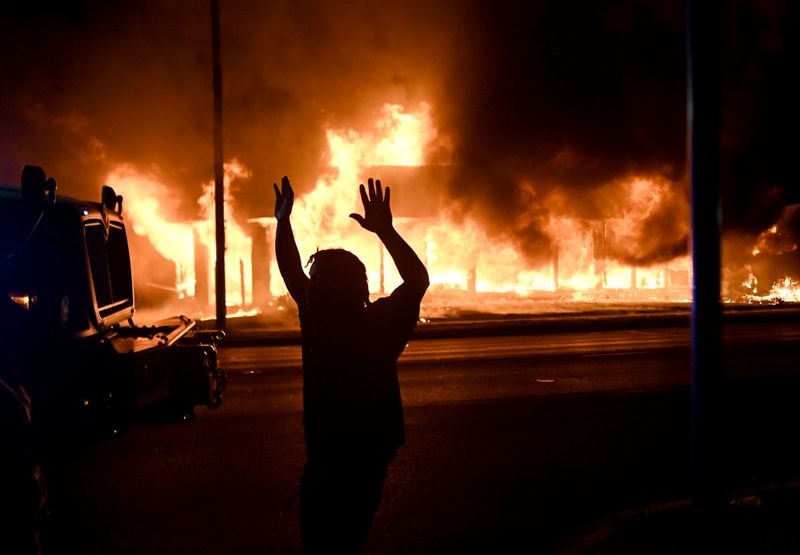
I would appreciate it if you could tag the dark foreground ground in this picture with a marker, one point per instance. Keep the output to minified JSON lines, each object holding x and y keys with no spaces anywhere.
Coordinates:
{"x":516,"y":444}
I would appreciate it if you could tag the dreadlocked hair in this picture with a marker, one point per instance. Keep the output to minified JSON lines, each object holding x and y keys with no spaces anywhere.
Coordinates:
{"x":338,"y":285}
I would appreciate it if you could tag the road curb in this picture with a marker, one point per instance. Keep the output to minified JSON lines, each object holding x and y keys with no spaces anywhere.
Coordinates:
{"x":240,"y":334}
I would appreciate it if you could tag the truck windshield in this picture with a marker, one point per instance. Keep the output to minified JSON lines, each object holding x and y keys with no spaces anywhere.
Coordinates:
{"x":110,"y":266}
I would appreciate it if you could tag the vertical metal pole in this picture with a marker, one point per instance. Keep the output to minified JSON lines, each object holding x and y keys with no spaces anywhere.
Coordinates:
{"x":703,"y":134}
{"x":219,"y":188}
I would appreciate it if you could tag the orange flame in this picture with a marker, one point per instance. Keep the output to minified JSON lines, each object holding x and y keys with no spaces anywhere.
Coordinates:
{"x":785,"y":290}
{"x":774,"y":242}
{"x":398,"y":138}
{"x":150,"y":207}
{"x":458,"y":252}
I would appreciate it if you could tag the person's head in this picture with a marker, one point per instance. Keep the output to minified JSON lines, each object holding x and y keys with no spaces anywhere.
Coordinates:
{"x":338,"y":286}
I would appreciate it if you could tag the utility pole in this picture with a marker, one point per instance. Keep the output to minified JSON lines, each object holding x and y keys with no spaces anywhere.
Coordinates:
{"x":703,"y":35}
{"x":219,"y":187}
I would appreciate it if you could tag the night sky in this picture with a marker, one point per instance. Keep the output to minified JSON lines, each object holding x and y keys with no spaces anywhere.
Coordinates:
{"x":547,"y":104}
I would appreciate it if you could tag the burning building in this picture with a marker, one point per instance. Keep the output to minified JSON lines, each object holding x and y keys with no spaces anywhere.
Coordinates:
{"x":522,"y":162}
{"x":603,"y":259}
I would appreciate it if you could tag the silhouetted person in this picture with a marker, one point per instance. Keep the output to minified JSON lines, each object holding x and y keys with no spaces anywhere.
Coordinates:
{"x":353,"y":415}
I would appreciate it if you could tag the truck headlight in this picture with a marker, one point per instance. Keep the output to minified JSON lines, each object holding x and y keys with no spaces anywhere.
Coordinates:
{"x":24,"y":300}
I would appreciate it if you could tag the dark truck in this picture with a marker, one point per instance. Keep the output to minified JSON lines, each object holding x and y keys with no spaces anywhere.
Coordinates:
{"x":66,"y":265}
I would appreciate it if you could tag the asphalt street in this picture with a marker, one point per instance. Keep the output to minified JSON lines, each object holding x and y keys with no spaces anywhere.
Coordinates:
{"x":515,"y":444}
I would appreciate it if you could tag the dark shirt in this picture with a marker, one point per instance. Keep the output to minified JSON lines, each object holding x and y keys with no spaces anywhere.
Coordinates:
{"x":351,"y":395}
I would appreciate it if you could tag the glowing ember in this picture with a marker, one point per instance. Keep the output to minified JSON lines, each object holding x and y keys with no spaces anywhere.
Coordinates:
{"x":785,"y":290}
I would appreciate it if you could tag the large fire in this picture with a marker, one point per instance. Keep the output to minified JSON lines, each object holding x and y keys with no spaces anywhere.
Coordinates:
{"x":151,"y":210}
{"x":458,"y":253}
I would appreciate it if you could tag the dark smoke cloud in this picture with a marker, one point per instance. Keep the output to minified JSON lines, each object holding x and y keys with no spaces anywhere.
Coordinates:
{"x":138,"y":75}
{"x":760,"y":115}
{"x":547,"y":104}
{"x":569,"y":98}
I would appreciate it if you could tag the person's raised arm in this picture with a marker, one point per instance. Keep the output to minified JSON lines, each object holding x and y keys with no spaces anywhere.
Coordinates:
{"x":378,"y":219}
{"x":285,"y":247}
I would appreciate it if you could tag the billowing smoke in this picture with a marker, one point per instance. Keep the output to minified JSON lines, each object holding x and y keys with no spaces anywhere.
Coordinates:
{"x":760,"y":116}
{"x":570,"y":99}
{"x":550,"y":107}
{"x":137,"y":77}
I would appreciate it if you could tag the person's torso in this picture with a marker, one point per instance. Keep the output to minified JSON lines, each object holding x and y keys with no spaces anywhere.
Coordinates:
{"x":351,"y":394}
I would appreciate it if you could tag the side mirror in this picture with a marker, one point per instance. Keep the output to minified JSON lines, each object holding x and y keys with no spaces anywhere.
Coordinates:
{"x":111,"y":200}
{"x":37,"y":190}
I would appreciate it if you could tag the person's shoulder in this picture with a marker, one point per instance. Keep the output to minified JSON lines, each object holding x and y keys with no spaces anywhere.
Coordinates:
{"x":397,"y":306}
{"x":379,"y":306}
{"x":380,"y":301}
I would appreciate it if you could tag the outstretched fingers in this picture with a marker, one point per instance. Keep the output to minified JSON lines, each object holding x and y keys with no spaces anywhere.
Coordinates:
{"x":378,"y":191}
{"x":286,"y":187}
{"x":284,"y":198}
{"x":377,"y":214}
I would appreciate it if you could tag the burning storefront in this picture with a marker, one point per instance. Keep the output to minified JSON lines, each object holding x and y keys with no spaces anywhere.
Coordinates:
{"x":610,"y":257}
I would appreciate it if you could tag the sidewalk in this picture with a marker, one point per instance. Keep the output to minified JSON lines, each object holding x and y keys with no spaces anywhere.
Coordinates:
{"x":273,"y":330}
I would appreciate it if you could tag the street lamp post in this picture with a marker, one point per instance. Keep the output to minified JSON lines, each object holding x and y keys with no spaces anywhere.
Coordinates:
{"x":703,"y":149}
{"x":219,"y":187}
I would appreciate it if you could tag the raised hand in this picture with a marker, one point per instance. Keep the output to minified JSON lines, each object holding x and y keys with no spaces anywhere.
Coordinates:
{"x":286,"y":252}
{"x":284,"y":199}
{"x":377,"y":213}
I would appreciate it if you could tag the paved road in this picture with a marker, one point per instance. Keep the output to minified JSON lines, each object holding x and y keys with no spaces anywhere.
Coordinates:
{"x":513,"y":444}
{"x":442,"y":371}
